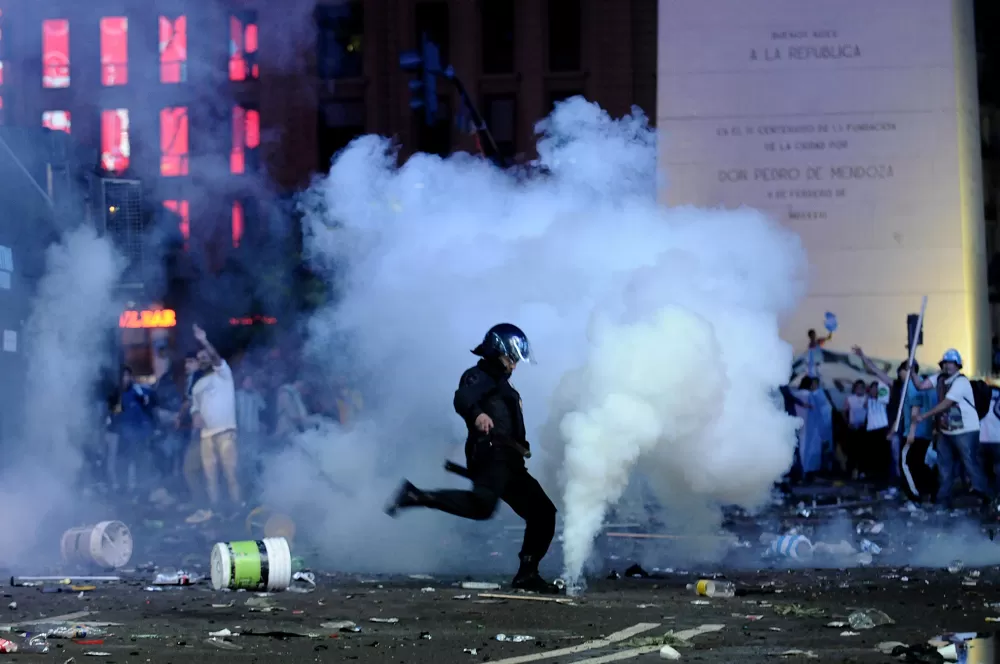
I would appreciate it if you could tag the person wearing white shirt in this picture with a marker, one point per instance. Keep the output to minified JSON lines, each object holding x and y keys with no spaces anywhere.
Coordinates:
{"x":213,"y":407}
{"x":856,"y":414}
{"x":989,"y":440}
{"x":293,"y":416}
{"x":856,"y":406}
{"x":877,"y":456}
{"x":958,"y":430}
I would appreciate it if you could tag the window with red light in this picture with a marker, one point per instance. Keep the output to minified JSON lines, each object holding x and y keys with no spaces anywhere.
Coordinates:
{"x":173,"y":49}
{"x":246,"y":140}
{"x":116,"y":148}
{"x":56,"y":120}
{"x":174,"y":142}
{"x":114,"y":50}
{"x":181,"y":210}
{"x":243,"y":46}
{"x":239,"y":223}
{"x":55,"y":53}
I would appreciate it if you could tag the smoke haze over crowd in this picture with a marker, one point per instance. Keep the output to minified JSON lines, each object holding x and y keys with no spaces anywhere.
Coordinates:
{"x":656,"y":330}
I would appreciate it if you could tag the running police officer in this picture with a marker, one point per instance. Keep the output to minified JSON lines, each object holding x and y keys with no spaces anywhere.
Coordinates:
{"x":495,"y":451}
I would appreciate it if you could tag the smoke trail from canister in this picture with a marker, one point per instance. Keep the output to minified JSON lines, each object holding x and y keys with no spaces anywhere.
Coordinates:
{"x":660,"y":326}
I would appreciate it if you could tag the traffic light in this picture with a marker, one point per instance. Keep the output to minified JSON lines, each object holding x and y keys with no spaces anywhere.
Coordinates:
{"x":423,"y":89}
{"x":911,"y":331}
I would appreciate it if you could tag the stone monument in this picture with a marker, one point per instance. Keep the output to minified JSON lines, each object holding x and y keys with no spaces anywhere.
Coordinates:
{"x":854,"y":123}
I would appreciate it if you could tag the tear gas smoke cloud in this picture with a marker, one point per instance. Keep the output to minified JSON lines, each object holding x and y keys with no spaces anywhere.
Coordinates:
{"x":656,"y":330}
{"x":679,"y":380}
{"x":65,"y":342}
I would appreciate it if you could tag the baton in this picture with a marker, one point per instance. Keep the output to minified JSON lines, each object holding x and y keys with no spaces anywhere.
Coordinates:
{"x":516,"y":446}
{"x":520,"y":449}
{"x":461,"y":471}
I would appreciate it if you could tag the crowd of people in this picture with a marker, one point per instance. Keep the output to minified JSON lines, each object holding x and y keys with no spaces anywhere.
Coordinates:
{"x":928,"y":434}
{"x":210,"y":427}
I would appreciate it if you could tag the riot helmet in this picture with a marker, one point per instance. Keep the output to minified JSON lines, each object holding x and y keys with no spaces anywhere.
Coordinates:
{"x":505,"y":340}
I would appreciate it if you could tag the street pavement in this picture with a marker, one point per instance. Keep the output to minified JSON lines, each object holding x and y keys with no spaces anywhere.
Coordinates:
{"x":932,"y":573}
{"x":803,"y":616}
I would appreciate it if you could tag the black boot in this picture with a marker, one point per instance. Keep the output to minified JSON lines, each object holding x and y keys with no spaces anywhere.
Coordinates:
{"x":406,"y":496}
{"x":528,"y":578}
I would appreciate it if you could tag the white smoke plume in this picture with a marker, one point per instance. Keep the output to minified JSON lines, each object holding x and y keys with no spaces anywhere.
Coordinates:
{"x":679,"y":380}
{"x":66,"y":345}
{"x":656,"y":330}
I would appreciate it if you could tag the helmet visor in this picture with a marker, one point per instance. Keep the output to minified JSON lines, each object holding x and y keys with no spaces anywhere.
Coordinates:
{"x":519,"y":350}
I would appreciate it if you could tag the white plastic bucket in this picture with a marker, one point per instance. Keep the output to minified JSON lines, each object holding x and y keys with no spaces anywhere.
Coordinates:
{"x":107,"y":544}
{"x":252,"y":565}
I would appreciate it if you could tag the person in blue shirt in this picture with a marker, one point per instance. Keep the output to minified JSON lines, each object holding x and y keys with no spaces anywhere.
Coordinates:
{"x":989,"y":441}
{"x":191,"y":464}
{"x":920,"y":480}
{"x":817,"y":432}
{"x":133,"y":422}
{"x":814,"y":354}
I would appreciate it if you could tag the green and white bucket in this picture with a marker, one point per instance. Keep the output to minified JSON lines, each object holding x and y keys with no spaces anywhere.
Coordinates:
{"x":252,"y":565}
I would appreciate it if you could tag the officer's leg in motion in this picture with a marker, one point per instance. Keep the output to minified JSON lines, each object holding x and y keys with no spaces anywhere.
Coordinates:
{"x":528,"y":500}
{"x":494,"y":481}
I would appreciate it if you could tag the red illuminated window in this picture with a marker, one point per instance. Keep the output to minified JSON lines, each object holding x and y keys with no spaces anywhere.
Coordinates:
{"x":246,"y":139}
{"x":173,"y":142}
{"x":114,"y":50}
{"x":115,"y":146}
{"x":55,"y":53}
{"x":182,"y":211}
{"x":56,"y":120}
{"x":239,"y":223}
{"x":173,"y":49}
{"x":243,"y":46}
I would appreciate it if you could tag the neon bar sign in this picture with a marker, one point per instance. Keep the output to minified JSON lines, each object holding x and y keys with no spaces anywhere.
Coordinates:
{"x":253,"y":320}
{"x":149,"y":319}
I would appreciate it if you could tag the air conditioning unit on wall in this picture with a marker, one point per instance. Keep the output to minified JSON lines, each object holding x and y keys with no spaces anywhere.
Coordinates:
{"x":121,"y":216}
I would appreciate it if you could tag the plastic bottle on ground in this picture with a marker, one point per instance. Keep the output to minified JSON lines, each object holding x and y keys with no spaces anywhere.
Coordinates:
{"x":709,"y":588}
{"x":868,"y":619}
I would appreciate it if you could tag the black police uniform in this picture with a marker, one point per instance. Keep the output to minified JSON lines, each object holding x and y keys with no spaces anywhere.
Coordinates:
{"x":497,"y":469}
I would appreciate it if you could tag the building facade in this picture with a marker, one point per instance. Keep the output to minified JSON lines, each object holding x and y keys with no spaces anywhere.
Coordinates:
{"x":516,"y":57}
{"x":987,"y":14}
{"x":814,"y":114}
{"x":210,"y":103}
{"x":214,"y":104}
